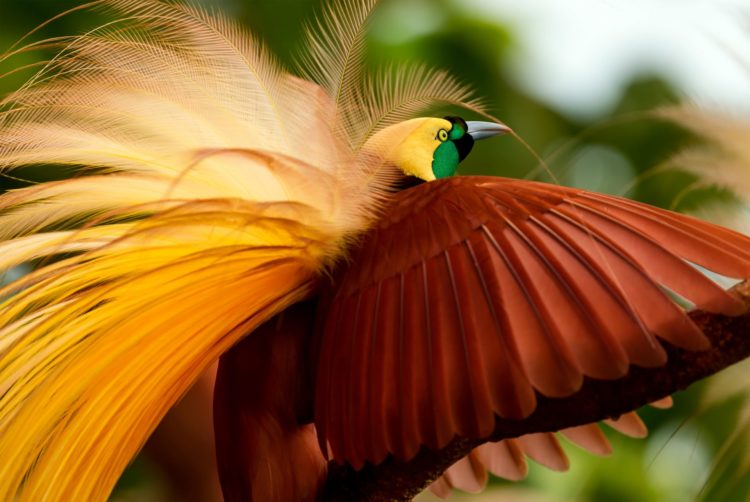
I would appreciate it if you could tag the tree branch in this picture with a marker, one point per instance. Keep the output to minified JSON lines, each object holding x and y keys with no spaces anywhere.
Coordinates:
{"x":597,"y":400}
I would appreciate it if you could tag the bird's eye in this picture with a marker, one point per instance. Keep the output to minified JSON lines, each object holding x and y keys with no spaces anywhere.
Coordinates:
{"x":442,"y":135}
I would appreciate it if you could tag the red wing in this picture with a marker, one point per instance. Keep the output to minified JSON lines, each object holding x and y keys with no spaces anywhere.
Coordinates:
{"x":472,"y":293}
{"x":265,"y":448}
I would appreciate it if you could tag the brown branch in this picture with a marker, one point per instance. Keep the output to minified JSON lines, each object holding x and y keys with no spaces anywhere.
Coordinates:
{"x":400,"y":481}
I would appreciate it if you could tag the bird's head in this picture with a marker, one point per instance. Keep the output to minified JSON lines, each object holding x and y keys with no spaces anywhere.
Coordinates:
{"x":431,"y":148}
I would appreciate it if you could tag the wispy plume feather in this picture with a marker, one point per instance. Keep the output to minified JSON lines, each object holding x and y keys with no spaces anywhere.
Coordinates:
{"x":721,"y":159}
{"x":400,"y":93}
{"x":213,"y":188}
{"x":335,"y":44}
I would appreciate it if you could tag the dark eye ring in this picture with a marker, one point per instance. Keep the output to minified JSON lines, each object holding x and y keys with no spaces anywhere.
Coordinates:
{"x":442,"y":135}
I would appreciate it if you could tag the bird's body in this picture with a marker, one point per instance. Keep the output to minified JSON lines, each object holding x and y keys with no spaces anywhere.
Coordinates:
{"x":215,"y":190}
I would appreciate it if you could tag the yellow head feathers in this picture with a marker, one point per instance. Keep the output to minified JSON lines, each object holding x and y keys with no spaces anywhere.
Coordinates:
{"x":430,"y":148}
{"x":410,"y":145}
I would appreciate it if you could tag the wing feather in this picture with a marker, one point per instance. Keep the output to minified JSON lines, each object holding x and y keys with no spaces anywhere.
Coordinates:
{"x":629,"y":424}
{"x":418,"y":428}
{"x":663,"y":265}
{"x":698,"y":241}
{"x":571,"y":320}
{"x":507,"y":458}
{"x":545,"y":449}
{"x":378,"y":353}
{"x":544,"y":356}
{"x":638,"y":341}
{"x":325,"y":386}
{"x":589,"y":437}
{"x":466,"y":405}
{"x":386,"y":408}
{"x":471,"y":305}
{"x":359,"y":337}
{"x":447,"y":355}
{"x":595,"y":346}
{"x":661,"y":315}
{"x":501,"y":289}
{"x":504,"y":459}
{"x":468,"y":474}
{"x":511,"y":393}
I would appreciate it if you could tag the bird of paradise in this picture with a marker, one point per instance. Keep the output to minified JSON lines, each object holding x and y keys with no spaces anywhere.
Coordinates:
{"x":216,"y":191}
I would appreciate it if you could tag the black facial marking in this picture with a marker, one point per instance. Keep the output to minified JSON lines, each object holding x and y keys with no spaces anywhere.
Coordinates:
{"x":465,"y":142}
{"x":464,"y":145}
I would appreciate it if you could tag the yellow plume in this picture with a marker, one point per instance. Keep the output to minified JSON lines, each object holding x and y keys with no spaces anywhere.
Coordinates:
{"x":213,"y":188}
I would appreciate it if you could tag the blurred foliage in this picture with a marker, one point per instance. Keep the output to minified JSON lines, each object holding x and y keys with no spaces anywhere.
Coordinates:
{"x":620,"y":153}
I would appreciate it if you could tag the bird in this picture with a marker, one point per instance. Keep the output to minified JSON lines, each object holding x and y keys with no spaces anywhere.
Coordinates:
{"x":306,"y":228}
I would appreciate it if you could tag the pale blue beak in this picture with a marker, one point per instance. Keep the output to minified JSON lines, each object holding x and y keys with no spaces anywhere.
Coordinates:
{"x":481,"y":130}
